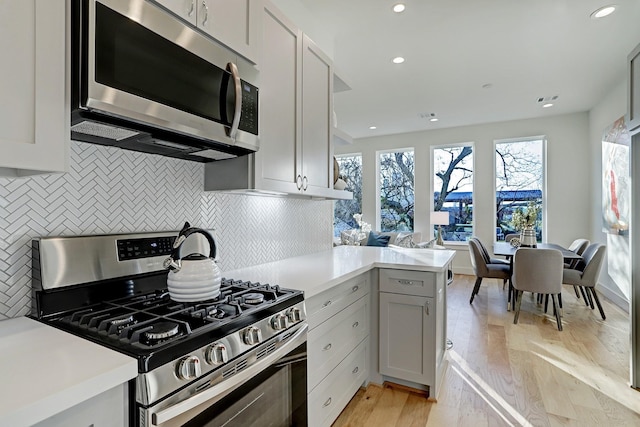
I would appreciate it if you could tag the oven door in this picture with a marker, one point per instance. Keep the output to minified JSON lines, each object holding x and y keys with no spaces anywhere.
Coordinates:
{"x":272,"y":391}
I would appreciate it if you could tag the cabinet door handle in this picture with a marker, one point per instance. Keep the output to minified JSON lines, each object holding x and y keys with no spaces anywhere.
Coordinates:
{"x":305,"y":183}
{"x":192,"y":9}
{"x":327,"y":347}
{"x":299,"y":182}
{"x":406,"y":282}
{"x":426,"y":307}
{"x":327,"y":403}
{"x":355,"y":370}
{"x":355,"y":288}
{"x":206,"y":13}
{"x":326,"y":304}
{"x":355,"y":325}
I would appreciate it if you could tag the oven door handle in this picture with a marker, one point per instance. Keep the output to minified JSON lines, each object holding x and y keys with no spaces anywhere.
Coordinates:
{"x":217,"y":392}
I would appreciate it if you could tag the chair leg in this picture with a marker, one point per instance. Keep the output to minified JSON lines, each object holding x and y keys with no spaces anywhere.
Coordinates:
{"x":588,"y":297}
{"x":595,"y":297}
{"x":557,"y":311}
{"x":575,"y":289}
{"x":584,"y":295}
{"x":546,"y":302}
{"x":560,"y":303}
{"x":517,"y":308}
{"x":475,"y":289}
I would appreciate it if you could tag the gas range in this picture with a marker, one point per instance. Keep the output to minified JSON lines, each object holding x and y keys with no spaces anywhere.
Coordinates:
{"x":112,"y":290}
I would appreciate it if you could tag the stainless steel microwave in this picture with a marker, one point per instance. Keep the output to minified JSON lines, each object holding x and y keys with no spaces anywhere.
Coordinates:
{"x":142,"y":79}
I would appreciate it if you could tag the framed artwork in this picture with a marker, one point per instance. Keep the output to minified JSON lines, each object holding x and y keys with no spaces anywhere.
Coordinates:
{"x":616,"y":180}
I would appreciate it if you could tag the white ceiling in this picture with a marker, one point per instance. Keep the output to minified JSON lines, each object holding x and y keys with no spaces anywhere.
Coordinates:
{"x":525,"y":49}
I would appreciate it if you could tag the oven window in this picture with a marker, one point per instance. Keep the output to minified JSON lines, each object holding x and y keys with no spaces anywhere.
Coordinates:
{"x":277,"y":397}
{"x":131,"y":58}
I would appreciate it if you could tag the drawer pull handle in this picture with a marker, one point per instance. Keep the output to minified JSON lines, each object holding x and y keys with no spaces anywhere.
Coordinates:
{"x":327,"y":347}
{"x":426,"y":307}
{"x":327,"y":403}
{"x":355,"y":325}
{"x":355,"y":371}
{"x":326,"y":304}
{"x":355,"y":288}
{"x":406,"y":282}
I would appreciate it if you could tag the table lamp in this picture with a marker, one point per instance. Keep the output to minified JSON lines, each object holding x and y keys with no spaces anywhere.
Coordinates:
{"x":440,"y":218}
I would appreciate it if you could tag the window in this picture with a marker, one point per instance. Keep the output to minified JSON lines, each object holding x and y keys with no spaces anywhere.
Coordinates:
{"x":396,"y":190}
{"x":519,"y":182}
{"x":453,"y":190}
{"x":351,"y":172}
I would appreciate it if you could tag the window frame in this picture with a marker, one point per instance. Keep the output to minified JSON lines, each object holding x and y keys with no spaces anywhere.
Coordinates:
{"x":378,"y":216}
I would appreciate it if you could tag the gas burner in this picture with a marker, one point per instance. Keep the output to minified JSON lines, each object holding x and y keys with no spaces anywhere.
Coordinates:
{"x":161,"y":331}
{"x":122,"y":321}
{"x":253,"y":298}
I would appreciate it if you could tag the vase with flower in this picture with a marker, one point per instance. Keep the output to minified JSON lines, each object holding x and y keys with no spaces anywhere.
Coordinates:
{"x":525,"y":220}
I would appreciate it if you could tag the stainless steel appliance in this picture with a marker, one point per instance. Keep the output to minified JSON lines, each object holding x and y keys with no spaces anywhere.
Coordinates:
{"x":142,"y":79}
{"x":236,"y":360}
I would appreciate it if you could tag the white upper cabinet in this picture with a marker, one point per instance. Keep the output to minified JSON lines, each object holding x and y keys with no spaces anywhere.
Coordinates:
{"x":34,"y":117}
{"x":234,"y":23}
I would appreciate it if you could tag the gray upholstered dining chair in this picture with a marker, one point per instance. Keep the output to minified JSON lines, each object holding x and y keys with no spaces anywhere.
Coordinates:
{"x":587,"y":278}
{"x":538,"y":271}
{"x":578,"y":246}
{"x":489,"y":260}
{"x":483,"y":269}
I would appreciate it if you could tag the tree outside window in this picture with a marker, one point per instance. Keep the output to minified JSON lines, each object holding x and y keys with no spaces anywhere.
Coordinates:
{"x":453,"y":190}
{"x":519,"y":182}
{"x":396,"y":190}
{"x":343,"y":210}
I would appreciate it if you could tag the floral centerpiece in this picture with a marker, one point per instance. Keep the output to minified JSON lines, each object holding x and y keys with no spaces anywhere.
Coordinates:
{"x":522,"y":219}
{"x":365,"y":227}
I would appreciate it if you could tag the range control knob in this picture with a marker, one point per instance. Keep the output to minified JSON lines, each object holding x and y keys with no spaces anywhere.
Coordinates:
{"x":216,"y":354}
{"x":252,"y":335}
{"x":294,"y":315}
{"x":279,"y":322}
{"x":188,"y":368}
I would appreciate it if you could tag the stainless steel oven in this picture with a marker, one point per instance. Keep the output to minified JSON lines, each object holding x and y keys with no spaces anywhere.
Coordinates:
{"x":238,"y":359}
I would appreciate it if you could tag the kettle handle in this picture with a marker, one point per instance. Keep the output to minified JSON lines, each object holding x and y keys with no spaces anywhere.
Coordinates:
{"x":175,"y":254}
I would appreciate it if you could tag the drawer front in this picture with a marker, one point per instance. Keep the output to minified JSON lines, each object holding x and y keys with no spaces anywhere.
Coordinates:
{"x":334,"y":339}
{"x":406,"y":282}
{"x":322,"y":306}
{"x":334,"y":393}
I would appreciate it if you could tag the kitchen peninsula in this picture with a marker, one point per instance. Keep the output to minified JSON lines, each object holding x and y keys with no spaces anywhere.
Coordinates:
{"x":374,"y":314}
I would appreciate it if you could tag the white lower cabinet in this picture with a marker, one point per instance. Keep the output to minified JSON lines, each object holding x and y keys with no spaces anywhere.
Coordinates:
{"x":337,"y":348}
{"x":108,"y":409}
{"x":413,"y":327}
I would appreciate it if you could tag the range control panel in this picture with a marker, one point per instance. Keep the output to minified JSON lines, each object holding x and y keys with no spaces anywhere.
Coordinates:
{"x":145,"y":247}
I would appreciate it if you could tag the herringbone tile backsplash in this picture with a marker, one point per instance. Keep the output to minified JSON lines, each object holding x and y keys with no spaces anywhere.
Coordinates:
{"x":109,"y":190}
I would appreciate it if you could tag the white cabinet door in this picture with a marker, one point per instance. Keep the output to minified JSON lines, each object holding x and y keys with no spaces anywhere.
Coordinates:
{"x":34,"y":118}
{"x":185,"y":9}
{"x":233,"y":22}
{"x":317,"y":89}
{"x":280,"y":98}
{"x":407,"y":337}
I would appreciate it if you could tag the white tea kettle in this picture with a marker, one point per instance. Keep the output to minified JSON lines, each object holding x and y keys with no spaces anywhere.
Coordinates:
{"x":194,"y":277}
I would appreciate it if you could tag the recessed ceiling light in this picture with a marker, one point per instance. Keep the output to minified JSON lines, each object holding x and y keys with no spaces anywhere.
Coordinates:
{"x":603,"y":11}
{"x":397,"y":8}
{"x":433,"y":119}
{"x":373,"y":127}
{"x":547,"y":105}
{"x":398,"y":60}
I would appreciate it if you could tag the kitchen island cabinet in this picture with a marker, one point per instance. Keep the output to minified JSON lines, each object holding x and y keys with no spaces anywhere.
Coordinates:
{"x":34,"y":117}
{"x":341,"y":285}
{"x":52,"y":377}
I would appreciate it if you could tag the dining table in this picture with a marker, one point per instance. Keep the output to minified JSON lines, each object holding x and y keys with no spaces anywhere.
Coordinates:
{"x":507,"y":250}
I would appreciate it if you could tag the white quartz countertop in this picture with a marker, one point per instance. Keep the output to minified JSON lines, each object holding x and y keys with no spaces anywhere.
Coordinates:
{"x":45,"y":371}
{"x":317,"y":272}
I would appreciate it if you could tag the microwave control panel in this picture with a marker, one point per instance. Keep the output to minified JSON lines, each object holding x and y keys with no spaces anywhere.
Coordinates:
{"x":249,"y":114}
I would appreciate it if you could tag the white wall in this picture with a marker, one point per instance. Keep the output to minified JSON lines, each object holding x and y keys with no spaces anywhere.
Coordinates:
{"x":569,"y":202}
{"x":615,"y":279}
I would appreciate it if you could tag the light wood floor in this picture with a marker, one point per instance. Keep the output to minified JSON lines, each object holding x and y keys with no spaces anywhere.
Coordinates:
{"x":529,"y":374}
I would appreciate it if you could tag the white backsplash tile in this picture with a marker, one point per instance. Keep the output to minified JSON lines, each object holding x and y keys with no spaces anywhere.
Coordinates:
{"x":109,"y":190}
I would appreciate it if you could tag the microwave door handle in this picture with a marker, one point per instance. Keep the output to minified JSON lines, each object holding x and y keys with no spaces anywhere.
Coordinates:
{"x":220,"y":390}
{"x":235,"y":123}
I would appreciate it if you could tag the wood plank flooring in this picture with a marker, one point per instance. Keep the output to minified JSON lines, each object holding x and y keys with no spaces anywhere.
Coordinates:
{"x":529,"y":374}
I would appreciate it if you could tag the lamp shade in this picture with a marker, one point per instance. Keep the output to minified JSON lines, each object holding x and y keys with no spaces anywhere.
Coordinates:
{"x":440,"y":218}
